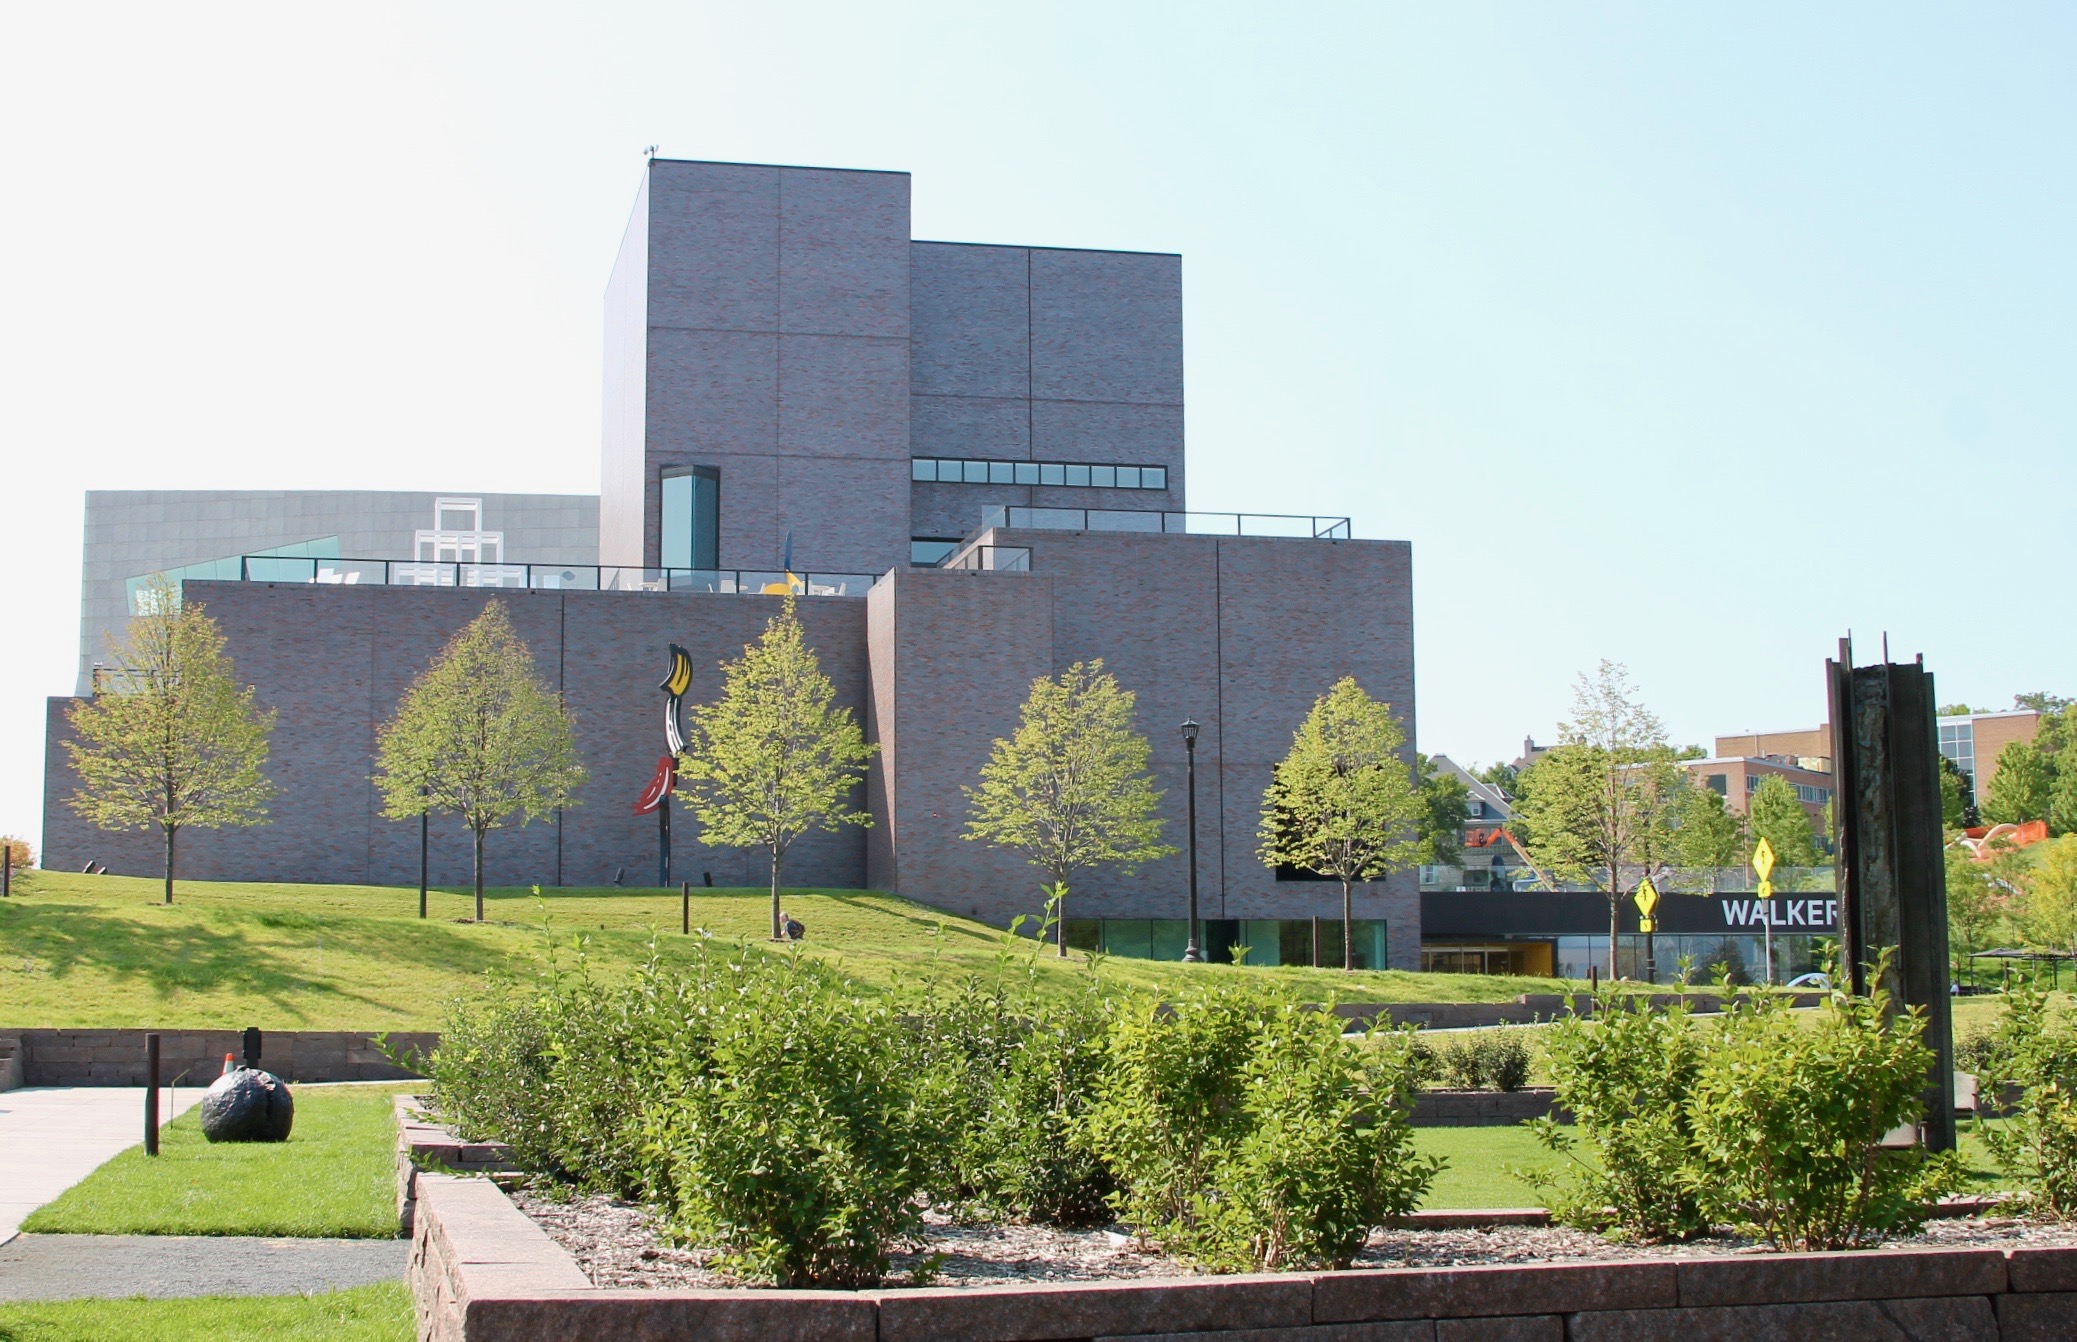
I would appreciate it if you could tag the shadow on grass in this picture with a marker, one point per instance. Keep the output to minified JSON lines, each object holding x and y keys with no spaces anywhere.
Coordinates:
{"x":888,"y":907}
{"x":192,"y":956}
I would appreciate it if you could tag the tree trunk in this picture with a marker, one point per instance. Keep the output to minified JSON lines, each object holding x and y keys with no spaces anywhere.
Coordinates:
{"x":171,"y":830}
{"x":778,"y":932}
{"x":479,"y":875}
{"x":1348,"y":927}
{"x":1060,"y":919}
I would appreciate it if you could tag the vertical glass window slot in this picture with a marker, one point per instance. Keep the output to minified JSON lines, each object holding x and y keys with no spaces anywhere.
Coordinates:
{"x":1001,"y":472}
{"x":1051,"y":473}
{"x":690,"y":534}
{"x":1103,"y":477}
{"x":1128,"y":477}
{"x":1078,"y":475}
{"x":1027,"y":473}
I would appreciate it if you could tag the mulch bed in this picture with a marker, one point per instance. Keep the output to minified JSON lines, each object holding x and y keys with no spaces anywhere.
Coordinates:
{"x":617,"y":1245}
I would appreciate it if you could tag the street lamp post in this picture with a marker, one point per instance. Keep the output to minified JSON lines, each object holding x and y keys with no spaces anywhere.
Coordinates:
{"x":424,"y":822}
{"x":1191,"y":954}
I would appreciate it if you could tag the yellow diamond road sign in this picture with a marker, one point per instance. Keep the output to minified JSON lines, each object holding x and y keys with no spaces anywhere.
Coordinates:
{"x":1763,"y":859}
{"x":1646,"y":898}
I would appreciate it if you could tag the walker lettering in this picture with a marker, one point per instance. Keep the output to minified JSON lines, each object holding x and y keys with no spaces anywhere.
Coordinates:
{"x":1813,"y":913}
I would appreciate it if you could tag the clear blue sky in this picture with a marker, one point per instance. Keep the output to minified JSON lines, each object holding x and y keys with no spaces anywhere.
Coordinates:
{"x":1689,"y":336}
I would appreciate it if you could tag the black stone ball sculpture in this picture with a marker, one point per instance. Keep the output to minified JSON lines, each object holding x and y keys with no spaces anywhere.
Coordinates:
{"x":248,"y":1105}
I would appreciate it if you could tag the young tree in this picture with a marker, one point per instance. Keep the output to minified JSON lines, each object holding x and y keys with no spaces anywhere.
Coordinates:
{"x":1070,"y":789}
{"x":1706,"y":832}
{"x":1445,"y":805}
{"x":1773,"y":813}
{"x":1599,"y":806}
{"x":773,"y":757}
{"x":1956,"y":810}
{"x":1342,"y":801}
{"x":168,"y":738}
{"x":2023,"y":787}
{"x":1976,"y":901}
{"x":479,"y":735}
{"x":2051,"y":907}
{"x":1501,"y":776}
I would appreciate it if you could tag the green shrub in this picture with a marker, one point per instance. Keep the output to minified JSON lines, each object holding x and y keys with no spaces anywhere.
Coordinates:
{"x":803,"y":1141}
{"x":2035,"y":1050}
{"x":1503,"y":1061}
{"x":1250,"y":1133}
{"x":1168,"y":1100}
{"x":490,"y":1073}
{"x":1023,"y":1157}
{"x":1625,"y":1074}
{"x":1463,"y":1063}
{"x":1789,"y":1117}
{"x":1327,"y":1155}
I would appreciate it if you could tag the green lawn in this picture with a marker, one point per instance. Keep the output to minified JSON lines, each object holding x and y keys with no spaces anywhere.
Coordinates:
{"x":334,"y":1177}
{"x":103,"y":951}
{"x":1480,"y":1159}
{"x":363,"y":1314}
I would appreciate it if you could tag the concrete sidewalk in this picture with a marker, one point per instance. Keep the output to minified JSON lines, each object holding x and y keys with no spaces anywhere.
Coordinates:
{"x":52,"y":1137}
{"x":77,"y":1267}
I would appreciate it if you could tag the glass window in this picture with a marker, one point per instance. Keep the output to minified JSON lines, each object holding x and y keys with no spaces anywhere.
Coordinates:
{"x":1078,"y":475}
{"x":1153,"y":477}
{"x":1052,"y":473}
{"x":1105,"y":477}
{"x":927,"y":553}
{"x":951,"y":472}
{"x":1718,"y":783}
{"x":1027,"y":473}
{"x":1001,"y":472}
{"x":1128,"y":477}
{"x":691,"y":531}
{"x":923,"y":468}
{"x":977,"y":472}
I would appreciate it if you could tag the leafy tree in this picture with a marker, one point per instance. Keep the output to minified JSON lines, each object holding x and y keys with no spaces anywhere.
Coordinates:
{"x":1603,"y":800}
{"x":1959,"y":710}
{"x":1957,"y":806}
{"x":2062,"y":801}
{"x":1977,"y":900}
{"x":1502,"y":776}
{"x":1342,"y":801}
{"x":1444,"y":809}
{"x":1069,"y":790}
{"x":1707,"y":833}
{"x":2051,"y":907}
{"x":479,"y":735}
{"x":773,"y":757}
{"x":1773,"y":813}
{"x":2040,"y":701}
{"x":168,"y":738}
{"x":2023,"y":787}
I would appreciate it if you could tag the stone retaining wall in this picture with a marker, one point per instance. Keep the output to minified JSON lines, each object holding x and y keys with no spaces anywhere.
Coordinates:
{"x":424,"y":1145}
{"x":480,"y":1269}
{"x":116,"y":1057}
{"x":1482,"y":1108}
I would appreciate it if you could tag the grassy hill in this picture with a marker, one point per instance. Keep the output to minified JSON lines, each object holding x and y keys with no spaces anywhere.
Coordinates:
{"x":102,"y":951}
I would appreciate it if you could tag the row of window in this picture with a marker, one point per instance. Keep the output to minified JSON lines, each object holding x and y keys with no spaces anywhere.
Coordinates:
{"x":1814,"y":796}
{"x":945,"y":470}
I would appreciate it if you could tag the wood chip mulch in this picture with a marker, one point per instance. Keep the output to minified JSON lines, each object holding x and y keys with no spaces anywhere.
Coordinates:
{"x":618,"y":1245}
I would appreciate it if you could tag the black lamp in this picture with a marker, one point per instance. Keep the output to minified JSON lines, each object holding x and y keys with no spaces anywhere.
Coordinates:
{"x":1191,"y":954}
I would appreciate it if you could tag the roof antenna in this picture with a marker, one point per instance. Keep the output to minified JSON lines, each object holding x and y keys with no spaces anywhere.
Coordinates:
{"x":1885,"y":646}
{"x":650,"y":152}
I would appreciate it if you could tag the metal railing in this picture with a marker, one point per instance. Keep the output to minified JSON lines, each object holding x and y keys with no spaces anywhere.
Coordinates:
{"x":1672,"y":881}
{"x":991,"y":559}
{"x":550,"y":577}
{"x":1187,"y":524}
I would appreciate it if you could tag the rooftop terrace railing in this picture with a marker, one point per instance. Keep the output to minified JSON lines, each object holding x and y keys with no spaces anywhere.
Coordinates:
{"x":991,"y":559}
{"x":1187,"y":524}
{"x":550,"y":577}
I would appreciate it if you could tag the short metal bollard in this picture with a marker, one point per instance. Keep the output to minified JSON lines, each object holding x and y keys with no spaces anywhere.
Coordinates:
{"x":151,"y":1094}
{"x":685,"y":908}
